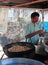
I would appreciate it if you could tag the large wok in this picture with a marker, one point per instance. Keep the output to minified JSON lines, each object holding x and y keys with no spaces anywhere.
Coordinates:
{"x":20,"y":61}
{"x":27,"y":53}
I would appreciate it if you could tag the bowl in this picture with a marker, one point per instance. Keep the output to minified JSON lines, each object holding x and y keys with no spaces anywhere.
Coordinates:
{"x":27,"y":53}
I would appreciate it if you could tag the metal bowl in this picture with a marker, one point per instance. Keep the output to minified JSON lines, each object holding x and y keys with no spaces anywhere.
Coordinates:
{"x":28,"y":53}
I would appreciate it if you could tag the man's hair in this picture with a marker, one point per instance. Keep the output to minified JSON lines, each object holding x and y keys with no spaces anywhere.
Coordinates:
{"x":34,"y":14}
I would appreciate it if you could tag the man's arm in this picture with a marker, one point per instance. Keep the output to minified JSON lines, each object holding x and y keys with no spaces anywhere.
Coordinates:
{"x":34,"y":33}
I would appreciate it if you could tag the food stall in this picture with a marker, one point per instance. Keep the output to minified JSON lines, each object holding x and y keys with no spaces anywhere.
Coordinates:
{"x":15,"y":15}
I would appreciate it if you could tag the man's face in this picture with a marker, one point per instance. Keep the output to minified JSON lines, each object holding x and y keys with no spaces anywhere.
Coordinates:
{"x":35,"y":19}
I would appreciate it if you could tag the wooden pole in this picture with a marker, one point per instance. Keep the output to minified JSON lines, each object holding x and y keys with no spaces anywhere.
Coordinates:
{"x":42,"y":19}
{"x":28,"y":3}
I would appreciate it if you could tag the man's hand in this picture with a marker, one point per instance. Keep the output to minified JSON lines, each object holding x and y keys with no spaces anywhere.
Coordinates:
{"x":41,"y":31}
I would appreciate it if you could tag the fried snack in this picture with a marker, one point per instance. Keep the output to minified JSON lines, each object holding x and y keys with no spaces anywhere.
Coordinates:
{"x":18,"y":48}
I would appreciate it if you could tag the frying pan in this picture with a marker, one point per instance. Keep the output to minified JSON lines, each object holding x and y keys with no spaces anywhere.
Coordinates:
{"x":27,"y":53}
{"x":20,"y":61}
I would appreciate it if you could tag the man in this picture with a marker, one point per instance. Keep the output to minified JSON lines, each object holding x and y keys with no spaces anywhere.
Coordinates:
{"x":33,"y":29}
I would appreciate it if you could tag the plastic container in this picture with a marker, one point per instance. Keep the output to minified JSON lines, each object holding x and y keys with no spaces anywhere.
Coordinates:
{"x":20,"y":61}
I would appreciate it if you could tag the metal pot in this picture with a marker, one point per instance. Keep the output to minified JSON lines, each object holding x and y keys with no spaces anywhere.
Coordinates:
{"x":27,"y":53}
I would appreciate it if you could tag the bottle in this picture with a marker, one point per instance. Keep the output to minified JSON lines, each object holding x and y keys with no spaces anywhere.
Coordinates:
{"x":41,"y":38}
{"x":40,"y":49}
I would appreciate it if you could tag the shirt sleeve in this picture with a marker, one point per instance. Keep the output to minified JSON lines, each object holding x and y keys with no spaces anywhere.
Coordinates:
{"x":27,"y":30}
